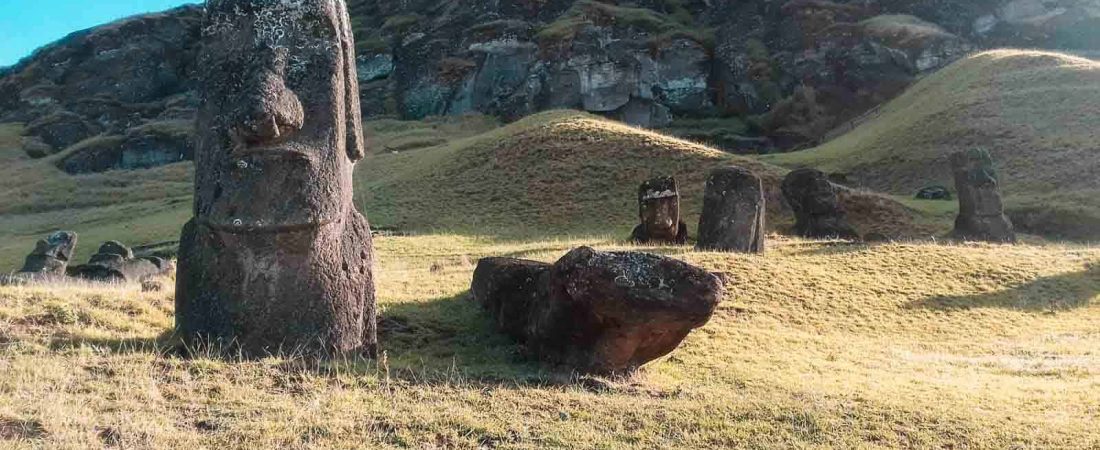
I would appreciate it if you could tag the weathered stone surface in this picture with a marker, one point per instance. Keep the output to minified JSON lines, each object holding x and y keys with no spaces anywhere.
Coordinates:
{"x":597,"y":312}
{"x":114,"y":262}
{"x":934,"y":193}
{"x":51,"y":255}
{"x":659,"y":213}
{"x":734,"y":212}
{"x":817,"y":210}
{"x":981,"y":210}
{"x":276,"y":256}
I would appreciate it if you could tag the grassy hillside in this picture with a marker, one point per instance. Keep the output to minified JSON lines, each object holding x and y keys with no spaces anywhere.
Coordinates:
{"x":563,"y":172}
{"x":552,"y":174}
{"x":1036,"y":112}
{"x":816,"y":346}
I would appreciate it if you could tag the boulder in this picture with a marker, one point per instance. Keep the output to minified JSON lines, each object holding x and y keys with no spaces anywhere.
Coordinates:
{"x":817,"y":209}
{"x":51,"y":255}
{"x":981,"y":210}
{"x":936,"y":192}
{"x":597,"y":312}
{"x":115,"y":263}
{"x":734,"y":212}
{"x":659,"y":213}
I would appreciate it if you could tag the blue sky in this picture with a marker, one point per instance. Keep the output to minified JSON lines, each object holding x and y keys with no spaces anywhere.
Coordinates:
{"x":28,"y":24}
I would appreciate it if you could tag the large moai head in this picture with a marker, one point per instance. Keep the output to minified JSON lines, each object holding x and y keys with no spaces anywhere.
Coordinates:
{"x":816,"y":204}
{"x":659,"y":212}
{"x":977,"y":183}
{"x":659,"y":204}
{"x":51,"y":255}
{"x":981,"y":209}
{"x":734,"y":210}
{"x":279,"y":126}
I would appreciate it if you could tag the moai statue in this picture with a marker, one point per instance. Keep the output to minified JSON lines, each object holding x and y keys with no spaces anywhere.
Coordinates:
{"x":981,"y":210}
{"x":114,"y":262}
{"x":276,"y":256}
{"x":51,"y":256}
{"x":659,"y":212}
{"x":817,"y":209}
{"x":733,"y":212}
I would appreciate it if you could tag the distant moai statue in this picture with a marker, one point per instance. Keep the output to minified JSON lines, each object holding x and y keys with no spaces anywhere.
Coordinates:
{"x":276,"y":256}
{"x":734,"y":210}
{"x":816,"y":205}
{"x":114,"y":262}
{"x":981,"y":210}
{"x":659,"y":213}
{"x":51,"y":256}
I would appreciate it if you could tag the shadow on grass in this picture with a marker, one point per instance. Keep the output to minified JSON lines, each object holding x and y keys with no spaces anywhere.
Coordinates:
{"x":451,"y":335}
{"x":163,"y":344}
{"x":1059,"y":292}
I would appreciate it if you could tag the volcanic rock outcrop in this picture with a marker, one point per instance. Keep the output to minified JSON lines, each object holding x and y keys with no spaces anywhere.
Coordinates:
{"x":659,"y":213}
{"x":597,"y":312}
{"x":817,"y":209}
{"x":277,"y":257}
{"x":981,"y":210}
{"x":734,"y":212}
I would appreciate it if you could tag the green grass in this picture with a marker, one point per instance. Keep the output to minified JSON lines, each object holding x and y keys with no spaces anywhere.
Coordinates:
{"x":551,"y":174}
{"x":592,"y":12}
{"x":817,"y":345}
{"x":1034,"y":111}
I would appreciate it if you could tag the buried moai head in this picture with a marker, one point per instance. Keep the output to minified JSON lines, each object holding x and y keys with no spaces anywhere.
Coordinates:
{"x":981,"y":210}
{"x":279,"y":126}
{"x":816,"y":204}
{"x":977,"y":183}
{"x":659,"y":212}
{"x":659,"y":204}
{"x":51,"y":255}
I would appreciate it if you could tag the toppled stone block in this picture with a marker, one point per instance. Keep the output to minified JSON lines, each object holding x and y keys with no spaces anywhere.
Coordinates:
{"x":597,"y":312}
{"x":51,"y":255}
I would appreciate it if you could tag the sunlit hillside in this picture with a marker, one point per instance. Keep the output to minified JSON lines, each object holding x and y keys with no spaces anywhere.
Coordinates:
{"x":1036,"y":112}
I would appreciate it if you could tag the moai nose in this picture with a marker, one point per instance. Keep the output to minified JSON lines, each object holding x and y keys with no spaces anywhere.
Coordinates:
{"x":271,"y":112}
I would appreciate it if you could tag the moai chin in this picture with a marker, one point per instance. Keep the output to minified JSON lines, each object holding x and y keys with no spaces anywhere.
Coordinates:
{"x":659,"y":213}
{"x":276,"y":256}
{"x":981,"y":210}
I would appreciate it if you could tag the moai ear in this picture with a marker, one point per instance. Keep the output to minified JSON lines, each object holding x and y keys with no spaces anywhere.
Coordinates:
{"x":352,"y":114}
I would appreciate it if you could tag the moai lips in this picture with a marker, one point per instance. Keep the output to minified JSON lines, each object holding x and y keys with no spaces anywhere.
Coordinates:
{"x":276,"y":256}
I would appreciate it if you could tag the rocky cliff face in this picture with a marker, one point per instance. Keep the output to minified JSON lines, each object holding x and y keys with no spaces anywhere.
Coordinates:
{"x":119,"y":96}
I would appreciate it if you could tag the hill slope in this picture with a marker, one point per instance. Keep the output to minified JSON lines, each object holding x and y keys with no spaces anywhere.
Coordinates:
{"x":1036,"y":112}
{"x":551,"y":174}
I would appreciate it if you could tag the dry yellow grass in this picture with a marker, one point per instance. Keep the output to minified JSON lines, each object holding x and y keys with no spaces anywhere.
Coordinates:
{"x":818,"y":345}
{"x":1034,"y":111}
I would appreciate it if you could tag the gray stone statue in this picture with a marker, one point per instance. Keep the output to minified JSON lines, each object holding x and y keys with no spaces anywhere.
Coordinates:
{"x":659,"y":213}
{"x":51,"y":256}
{"x":981,"y":210}
{"x":276,"y":256}
{"x":734,"y":211}
{"x":817,"y":209}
